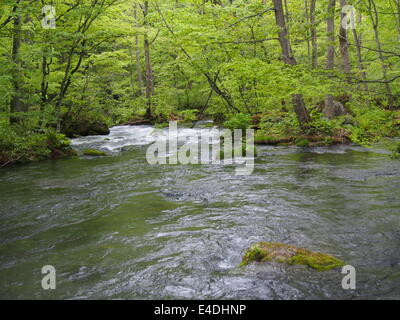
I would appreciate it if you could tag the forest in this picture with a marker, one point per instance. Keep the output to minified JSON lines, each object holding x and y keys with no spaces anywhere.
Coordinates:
{"x":288,"y":68}
{"x":87,"y":85}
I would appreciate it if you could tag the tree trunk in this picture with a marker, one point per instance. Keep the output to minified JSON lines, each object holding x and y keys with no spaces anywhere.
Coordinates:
{"x":358,"y":43}
{"x":343,"y":42}
{"x":314,"y":44}
{"x":329,"y":110}
{"x":374,"y":15}
{"x":16,"y":105}
{"x":149,"y":70}
{"x":298,"y":102}
{"x":137,"y":55}
{"x":307,"y":16}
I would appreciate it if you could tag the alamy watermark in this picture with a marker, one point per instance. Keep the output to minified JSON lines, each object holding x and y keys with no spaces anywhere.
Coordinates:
{"x":49,"y":17}
{"x":348,"y":21}
{"x":49,"y":280}
{"x":349,"y":280}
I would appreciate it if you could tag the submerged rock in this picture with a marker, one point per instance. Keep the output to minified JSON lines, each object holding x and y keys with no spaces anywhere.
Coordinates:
{"x":283,"y":253}
{"x":94,"y":153}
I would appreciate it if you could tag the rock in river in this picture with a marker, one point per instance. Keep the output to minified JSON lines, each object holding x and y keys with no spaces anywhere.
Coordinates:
{"x":94,"y":153}
{"x":283,"y":253}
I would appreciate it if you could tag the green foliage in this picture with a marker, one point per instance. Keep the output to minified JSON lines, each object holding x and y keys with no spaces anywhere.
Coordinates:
{"x":238,"y":121}
{"x":371,"y":124}
{"x":302,"y":143}
{"x":56,"y":140}
{"x":188,"y":115}
{"x":322,"y":126}
{"x":18,"y":145}
{"x":197,"y":63}
{"x":278,"y":123}
{"x":161,"y":125}
{"x":395,"y":151}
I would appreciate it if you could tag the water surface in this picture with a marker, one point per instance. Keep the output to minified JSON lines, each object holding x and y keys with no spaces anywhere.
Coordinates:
{"x":118,"y":228}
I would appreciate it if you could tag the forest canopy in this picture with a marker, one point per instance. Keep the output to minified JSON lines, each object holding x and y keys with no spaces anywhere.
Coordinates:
{"x":288,"y":68}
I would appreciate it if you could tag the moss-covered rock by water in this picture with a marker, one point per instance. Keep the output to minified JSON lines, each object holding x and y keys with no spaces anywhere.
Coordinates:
{"x":283,"y":253}
{"x":94,"y":153}
{"x":82,"y":126}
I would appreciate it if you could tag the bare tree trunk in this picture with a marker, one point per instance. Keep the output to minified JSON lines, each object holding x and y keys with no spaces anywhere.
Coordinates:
{"x":329,"y":110}
{"x":16,"y":104}
{"x":298,"y":102}
{"x":343,"y":42}
{"x":375,"y":24}
{"x":358,"y":42}
{"x":137,"y":54}
{"x":308,"y":34}
{"x":149,"y":70}
{"x":313,"y":35}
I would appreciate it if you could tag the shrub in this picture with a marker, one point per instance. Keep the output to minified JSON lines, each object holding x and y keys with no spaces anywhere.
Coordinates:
{"x":18,"y":145}
{"x":238,"y":121}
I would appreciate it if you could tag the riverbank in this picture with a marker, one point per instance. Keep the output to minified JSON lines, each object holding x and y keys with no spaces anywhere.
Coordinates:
{"x":24,"y":147}
{"x":19,"y":146}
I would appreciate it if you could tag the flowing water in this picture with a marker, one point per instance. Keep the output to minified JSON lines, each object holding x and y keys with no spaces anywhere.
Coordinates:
{"x":116,"y":227}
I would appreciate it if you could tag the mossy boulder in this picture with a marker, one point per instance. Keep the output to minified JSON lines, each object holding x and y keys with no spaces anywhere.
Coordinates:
{"x":94,"y":153}
{"x":73,"y":127}
{"x":283,"y":253}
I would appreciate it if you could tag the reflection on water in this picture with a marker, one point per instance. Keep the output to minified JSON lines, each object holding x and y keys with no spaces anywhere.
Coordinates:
{"x":116,"y":227}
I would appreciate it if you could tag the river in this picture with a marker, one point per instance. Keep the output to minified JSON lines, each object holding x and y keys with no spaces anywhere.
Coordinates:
{"x":116,"y":227}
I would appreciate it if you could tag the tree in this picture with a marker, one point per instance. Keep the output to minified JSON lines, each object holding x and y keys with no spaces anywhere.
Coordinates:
{"x":297,"y":99}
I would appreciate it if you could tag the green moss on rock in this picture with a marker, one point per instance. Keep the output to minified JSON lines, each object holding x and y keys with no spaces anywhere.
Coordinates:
{"x":283,"y":253}
{"x":94,"y":153}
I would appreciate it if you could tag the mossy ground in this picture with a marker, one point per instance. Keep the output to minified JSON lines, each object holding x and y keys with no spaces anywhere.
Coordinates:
{"x":283,"y":253}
